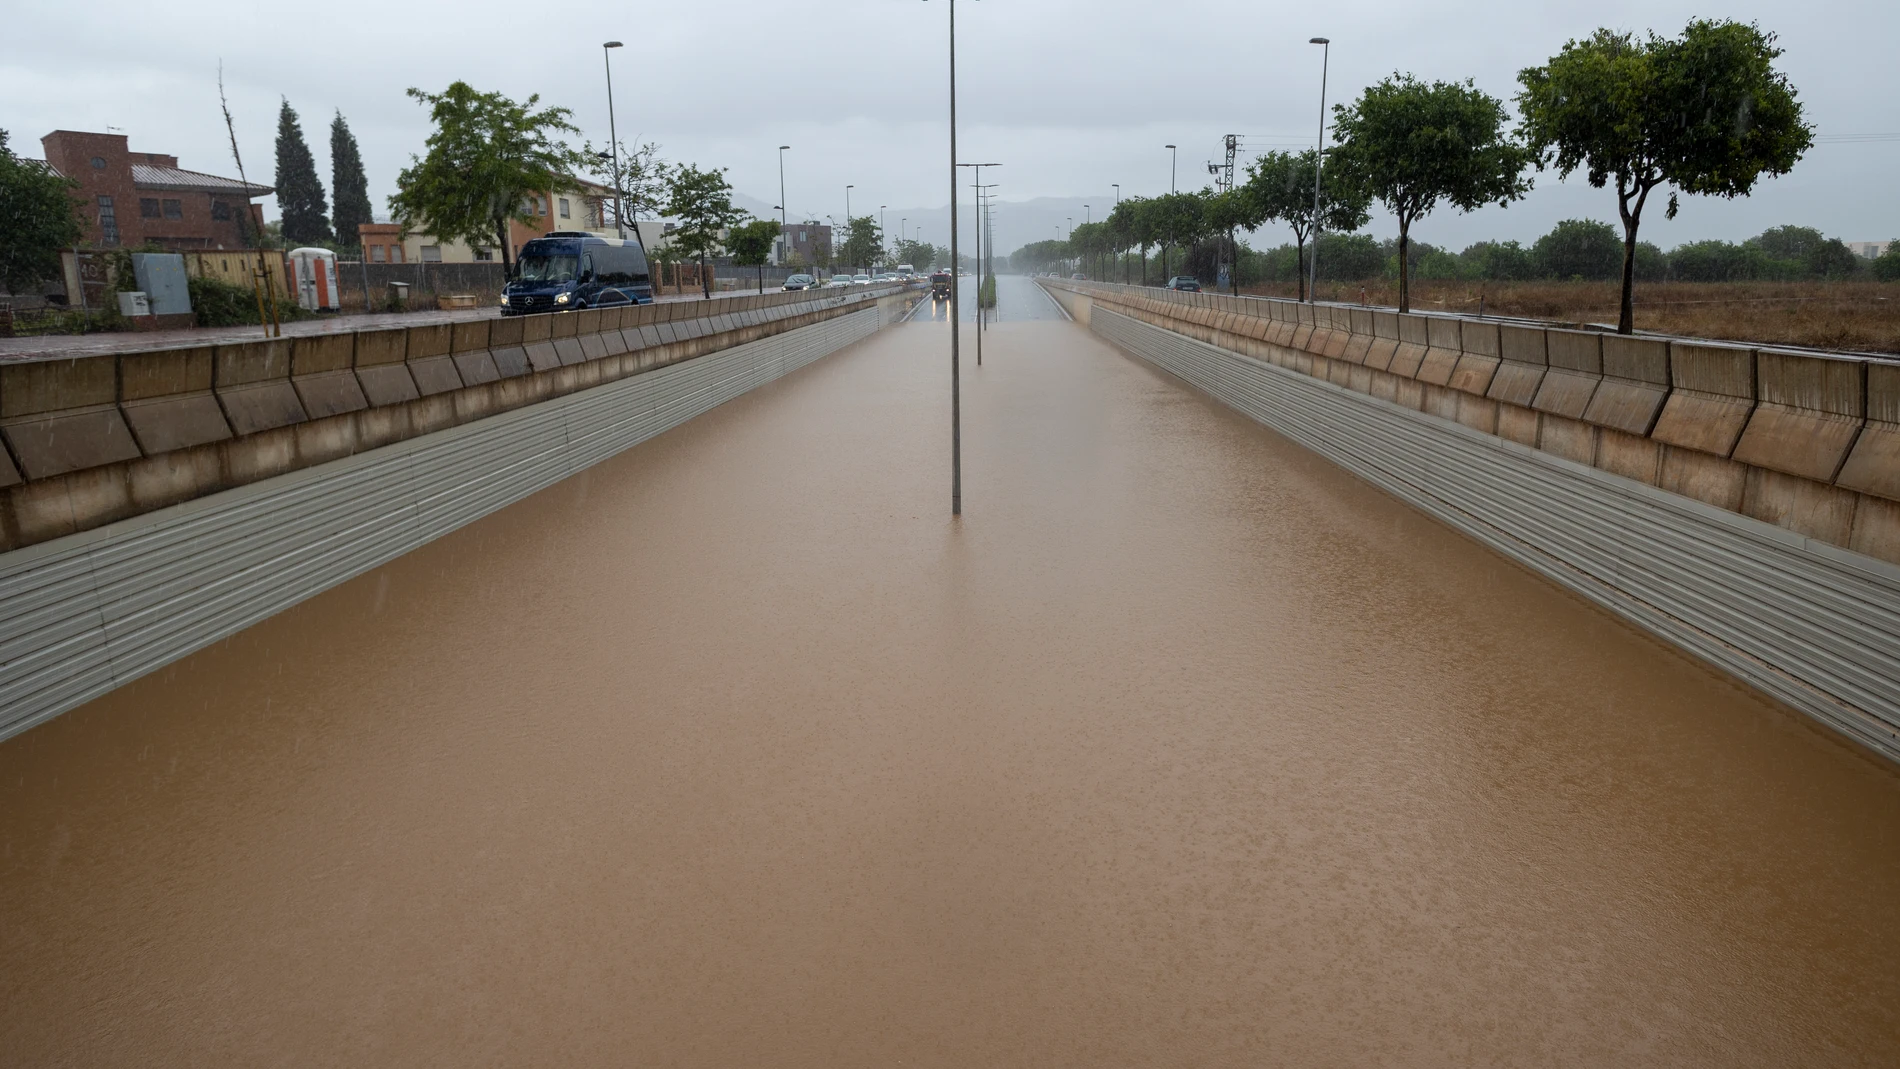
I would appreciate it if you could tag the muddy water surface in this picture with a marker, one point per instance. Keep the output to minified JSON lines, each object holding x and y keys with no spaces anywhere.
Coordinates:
{"x":1182,"y":748}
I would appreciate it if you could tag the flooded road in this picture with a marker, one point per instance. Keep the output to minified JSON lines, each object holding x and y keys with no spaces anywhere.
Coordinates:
{"x":1181,"y":748}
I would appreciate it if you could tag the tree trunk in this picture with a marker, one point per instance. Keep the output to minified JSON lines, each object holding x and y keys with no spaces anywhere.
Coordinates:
{"x":705,"y":280}
{"x":1300,"y":257}
{"x":1626,"y":313}
{"x":1405,"y":267}
{"x":761,"y":278}
{"x":501,"y":231}
{"x":1144,"y":265}
{"x":1632,"y":218}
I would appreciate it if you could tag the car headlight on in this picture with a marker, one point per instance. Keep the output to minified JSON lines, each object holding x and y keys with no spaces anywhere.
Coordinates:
{"x":563,"y":298}
{"x":504,"y":300}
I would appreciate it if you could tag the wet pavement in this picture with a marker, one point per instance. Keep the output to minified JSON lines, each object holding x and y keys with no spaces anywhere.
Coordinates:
{"x":1182,"y":747}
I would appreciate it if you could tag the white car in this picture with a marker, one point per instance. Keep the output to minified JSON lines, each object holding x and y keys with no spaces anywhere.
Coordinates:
{"x":838,"y":282}
{"x":862,"y":280}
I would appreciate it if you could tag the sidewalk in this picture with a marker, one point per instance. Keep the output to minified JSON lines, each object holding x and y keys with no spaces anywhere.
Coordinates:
{"x":71,"y":345}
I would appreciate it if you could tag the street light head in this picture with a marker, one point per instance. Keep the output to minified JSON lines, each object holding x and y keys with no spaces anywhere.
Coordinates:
{"x":611,"y":44}
{"x":782,"y":148}
{"x":1167,"y":146}
{"x":1320,"y":41}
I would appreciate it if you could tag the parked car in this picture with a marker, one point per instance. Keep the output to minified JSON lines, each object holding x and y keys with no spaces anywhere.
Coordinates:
{"x":567,"y":271}
{"x":1079,"y":277}
{"x":800,"y":282}
{"x":861,"y":279}
{"x":1185,"y":283}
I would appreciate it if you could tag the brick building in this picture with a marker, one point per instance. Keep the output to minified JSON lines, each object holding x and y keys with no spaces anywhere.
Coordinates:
{"x":134,"y":198}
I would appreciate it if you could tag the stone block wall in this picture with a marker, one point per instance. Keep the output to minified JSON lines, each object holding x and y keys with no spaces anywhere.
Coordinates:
{"x":1807,"y":441}
{"x":91,"y":440}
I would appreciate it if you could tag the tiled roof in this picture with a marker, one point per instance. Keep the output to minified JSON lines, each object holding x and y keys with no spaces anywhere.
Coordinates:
{"x":177,"y":178}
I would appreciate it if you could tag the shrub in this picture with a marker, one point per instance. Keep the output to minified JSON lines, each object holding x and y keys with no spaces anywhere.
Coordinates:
{"x":217,"y":303}
{"x":1580,"y":248}
{"x":1887,"y":267}
{"x":1498,"y":261}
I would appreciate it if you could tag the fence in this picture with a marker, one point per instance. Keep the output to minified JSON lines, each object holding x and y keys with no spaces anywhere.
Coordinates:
{"x":426,"y":282}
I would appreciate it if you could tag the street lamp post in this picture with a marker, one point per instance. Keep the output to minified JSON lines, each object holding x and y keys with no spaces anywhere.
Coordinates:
{"x":956,"y":390}
{"x":1123,"y":253}
{"x":880,"y":229}
{"x":1174,"y":157}
{"x":1319,"y":161}
{"x":606,"y":58}
{"x":784,"y":239}
{"x":957,"y":263}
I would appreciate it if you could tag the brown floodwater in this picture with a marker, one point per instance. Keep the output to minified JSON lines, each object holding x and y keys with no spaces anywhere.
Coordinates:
{"x":1181,"y":748}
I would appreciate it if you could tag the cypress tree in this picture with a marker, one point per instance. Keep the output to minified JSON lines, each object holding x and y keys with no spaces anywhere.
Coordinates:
{"x":348,"y":184}
{"x":299,"y":194}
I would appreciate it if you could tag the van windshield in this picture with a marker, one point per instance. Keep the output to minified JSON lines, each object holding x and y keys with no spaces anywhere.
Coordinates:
{"x":544,"y":268}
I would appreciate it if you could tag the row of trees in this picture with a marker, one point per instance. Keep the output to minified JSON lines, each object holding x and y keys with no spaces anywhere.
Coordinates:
{"x":306,"y":215}
{"x":1575,"y":249}
{"x":1702,"y":113}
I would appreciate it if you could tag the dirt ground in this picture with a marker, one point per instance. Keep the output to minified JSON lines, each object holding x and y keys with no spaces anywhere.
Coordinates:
{"x":1854,"y":316}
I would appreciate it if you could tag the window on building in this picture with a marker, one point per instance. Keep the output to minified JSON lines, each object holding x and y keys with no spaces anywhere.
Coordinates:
{"x":376,"y":254}
{"x":432,"y":254}
{"x":148,"y":207}
{"x":395,"y":254}
{"x":540,"y":206}
{"x":108,"y":222}
{"x":801,"y":237}
{"x":564,"y":209}
{"x":483,"y":256}
{"x":174,"y":210}
{"x":98,"y":163}
{"x":220,"y":211}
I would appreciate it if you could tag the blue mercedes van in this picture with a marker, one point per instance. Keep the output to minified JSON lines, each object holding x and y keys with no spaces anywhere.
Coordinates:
{"x":569,"y":270}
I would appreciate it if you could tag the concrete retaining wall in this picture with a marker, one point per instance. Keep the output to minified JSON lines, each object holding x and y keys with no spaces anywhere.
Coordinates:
{"x":97,"y":439}
{"x":1544,"y":444}
{"x":84,"y":613}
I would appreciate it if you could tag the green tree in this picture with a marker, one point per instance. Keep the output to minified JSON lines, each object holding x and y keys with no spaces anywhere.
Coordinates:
{"x":348,"y":184}
{"x":1887,"y":266}
{"x":1179,"y":219}
{"x":38,"y":218}
{"x":751,"y":244}
{"x":1498,"y":261}
{"x":1126,"y":221}
{"x":1410,"y":146}
{"x":1814,"y":253}
{"x":702,"y":203}
{"x":1279,"y":187}
{"x":916,"y":253}
{"x":645,"y":178}
{"x":1705,"y":112}
{"x":863,"y":244}
{"x":486,"y":156}
{"x":1579,"y":248}
{"x":299,"y":194}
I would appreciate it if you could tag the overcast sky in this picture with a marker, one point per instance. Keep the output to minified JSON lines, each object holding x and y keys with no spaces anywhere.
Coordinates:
{"x":1071,"y":95}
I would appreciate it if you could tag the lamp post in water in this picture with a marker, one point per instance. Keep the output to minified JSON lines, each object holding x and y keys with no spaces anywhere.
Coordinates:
{"x":956,"y":387}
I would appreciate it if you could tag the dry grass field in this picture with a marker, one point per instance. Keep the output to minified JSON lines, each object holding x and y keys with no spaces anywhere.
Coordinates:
{"x":1852,"y":316}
